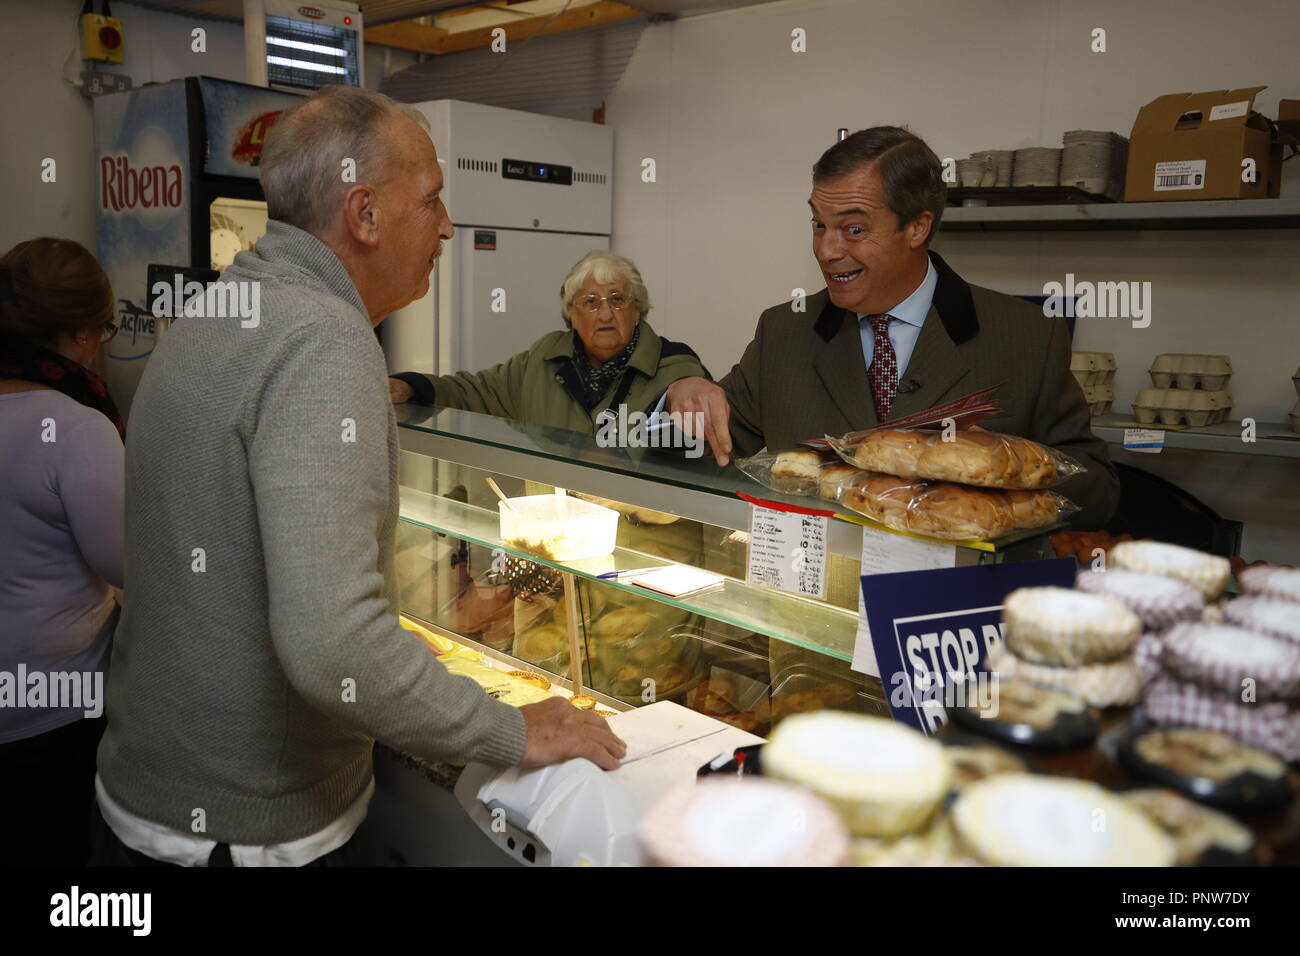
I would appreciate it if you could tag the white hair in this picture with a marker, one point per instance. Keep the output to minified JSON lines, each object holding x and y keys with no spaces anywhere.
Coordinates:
{"x":607,"y":269}
{"x":302,"y":159}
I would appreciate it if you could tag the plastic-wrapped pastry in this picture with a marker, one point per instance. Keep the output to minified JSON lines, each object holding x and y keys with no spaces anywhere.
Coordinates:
{"x":938,"y":510}
{"x":1208,"y":573}
{"x":1034,"y":509}
{"x":795,"y":472}
{"x":883,"y":777}
{"x":1027,"y":820}
{"x":1224,"y":658}
{"x":1268,"y":581}
{"x":834,"y":479}
{"x":736,"y":822}
{"x":971,"y":456}
{"x":948,"y":511}
{"x":1271,"y":616}
{"x":1116,"y":683}
{"x":1159,"y":602}
{"x":1061,"y":627}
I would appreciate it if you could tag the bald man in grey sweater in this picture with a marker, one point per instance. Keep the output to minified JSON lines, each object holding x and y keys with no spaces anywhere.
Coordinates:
{"x":259,"y":653}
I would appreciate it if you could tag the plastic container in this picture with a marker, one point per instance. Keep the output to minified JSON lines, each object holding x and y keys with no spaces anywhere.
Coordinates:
{"x":558,"y":528}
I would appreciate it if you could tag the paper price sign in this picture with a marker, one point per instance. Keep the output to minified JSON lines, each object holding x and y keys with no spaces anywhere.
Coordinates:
{"x":787,"y":551}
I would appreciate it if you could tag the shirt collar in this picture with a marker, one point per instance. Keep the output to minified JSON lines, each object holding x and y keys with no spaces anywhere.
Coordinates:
{"x":916,"y":306}
{"x":301,"y":250}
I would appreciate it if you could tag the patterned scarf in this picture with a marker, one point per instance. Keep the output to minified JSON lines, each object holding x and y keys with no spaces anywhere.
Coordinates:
{"x":596,"y":381}
{"x":35,"y":363}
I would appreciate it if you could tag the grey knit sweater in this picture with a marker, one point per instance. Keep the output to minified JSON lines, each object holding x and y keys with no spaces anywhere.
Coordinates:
{"x":249,"y":679}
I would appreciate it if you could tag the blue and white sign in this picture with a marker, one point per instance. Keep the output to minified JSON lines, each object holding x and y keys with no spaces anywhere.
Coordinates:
{"x":931,"y":631}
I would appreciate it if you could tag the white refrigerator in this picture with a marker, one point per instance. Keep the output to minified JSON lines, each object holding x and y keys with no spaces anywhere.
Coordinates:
{"x":528,"y":195}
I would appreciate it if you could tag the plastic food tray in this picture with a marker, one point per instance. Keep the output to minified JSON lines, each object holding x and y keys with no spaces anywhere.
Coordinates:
{"x":558,"y":527}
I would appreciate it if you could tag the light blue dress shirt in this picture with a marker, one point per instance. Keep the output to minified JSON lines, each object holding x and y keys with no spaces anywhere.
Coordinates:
{"x":906,"y":320}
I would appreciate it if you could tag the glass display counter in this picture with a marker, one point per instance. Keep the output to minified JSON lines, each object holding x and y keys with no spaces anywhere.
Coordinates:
{"x":745,"y":654}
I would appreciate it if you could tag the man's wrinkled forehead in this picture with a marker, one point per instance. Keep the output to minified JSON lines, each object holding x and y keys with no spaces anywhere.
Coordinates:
{"x":857,"y":194}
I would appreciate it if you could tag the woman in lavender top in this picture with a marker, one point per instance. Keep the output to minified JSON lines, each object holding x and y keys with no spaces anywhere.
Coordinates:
{"x":61,"y":554}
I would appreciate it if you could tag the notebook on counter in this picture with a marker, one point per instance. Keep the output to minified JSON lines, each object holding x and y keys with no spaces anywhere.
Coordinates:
{"x":677,"y":580}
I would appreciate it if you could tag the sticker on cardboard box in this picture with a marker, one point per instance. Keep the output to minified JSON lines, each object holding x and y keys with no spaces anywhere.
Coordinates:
{"x":1229,"y":110}
{"x":1180,"y":174}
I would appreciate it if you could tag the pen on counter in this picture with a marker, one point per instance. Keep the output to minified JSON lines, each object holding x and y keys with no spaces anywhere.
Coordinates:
{"x":627,"y":571}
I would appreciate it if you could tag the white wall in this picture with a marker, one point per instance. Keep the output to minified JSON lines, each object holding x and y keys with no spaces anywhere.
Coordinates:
{"x":734,"y":120}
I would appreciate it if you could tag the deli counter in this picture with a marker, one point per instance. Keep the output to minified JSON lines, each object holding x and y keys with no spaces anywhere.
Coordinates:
{"x":739,"y":654}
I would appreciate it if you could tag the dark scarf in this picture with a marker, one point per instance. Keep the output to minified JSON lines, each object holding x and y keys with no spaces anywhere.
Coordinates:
{"x":596,"y":381}
{"x":35,"y":363}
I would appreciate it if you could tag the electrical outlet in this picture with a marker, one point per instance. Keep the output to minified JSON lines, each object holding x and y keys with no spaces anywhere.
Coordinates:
{"x":95,"y":83}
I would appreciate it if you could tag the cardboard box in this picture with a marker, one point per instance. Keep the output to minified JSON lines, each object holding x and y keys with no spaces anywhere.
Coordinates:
{"x":1192,"y":146}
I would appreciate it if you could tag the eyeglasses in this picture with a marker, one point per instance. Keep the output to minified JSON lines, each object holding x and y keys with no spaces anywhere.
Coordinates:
{"x":591,"y":303}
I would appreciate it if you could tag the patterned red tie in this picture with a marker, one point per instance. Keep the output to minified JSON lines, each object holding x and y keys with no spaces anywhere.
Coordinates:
{"x":884,"y":367}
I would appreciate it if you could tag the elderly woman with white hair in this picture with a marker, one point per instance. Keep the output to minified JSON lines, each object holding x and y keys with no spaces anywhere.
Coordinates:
{"x":608,"y":356}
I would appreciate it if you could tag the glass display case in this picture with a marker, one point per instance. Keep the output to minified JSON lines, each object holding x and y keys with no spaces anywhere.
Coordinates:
{"x":745,"y":654}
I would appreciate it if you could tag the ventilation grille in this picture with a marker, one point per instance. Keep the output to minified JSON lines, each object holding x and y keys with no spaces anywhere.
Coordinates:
{"x":596,"y":179}
{"x":477,"y":165}
{"x":307,"y":56}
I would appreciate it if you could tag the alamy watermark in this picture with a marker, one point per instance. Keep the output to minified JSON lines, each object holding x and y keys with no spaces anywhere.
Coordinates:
{"x":53,"y":690}
{"x":234,"y":299}
{"x":128,"y":910}
{"x":624,"y":429}
{"x":1098,"y":300}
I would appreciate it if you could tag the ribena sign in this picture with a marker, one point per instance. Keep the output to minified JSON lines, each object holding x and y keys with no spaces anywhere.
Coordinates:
{"x":125,"y":187}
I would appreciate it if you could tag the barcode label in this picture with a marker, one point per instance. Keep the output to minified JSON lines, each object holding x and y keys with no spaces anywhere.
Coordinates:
{"x":1182,"y":174}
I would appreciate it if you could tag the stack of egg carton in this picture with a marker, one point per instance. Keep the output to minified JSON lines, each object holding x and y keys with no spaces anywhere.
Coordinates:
{"x":1095,"y":373}
{"x":1188,"y":388}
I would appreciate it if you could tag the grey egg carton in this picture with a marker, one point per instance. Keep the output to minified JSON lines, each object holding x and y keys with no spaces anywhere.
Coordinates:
{"x":1177,"y":406}
{"x":1093,"y":368}
{"x":1187,"y":371}
{"x":1100,"y":398}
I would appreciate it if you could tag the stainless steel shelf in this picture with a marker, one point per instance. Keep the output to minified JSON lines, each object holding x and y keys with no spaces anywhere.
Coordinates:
{"x":1179,"y":214}
{"x":1224,"y":437}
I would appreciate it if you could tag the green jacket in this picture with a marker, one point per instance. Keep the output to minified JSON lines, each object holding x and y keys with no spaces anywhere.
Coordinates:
{"x":541,"y":386}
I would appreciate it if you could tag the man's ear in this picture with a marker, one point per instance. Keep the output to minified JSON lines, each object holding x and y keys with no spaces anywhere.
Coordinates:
{"x":361,"y":215}
{"x":918,"y":230}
